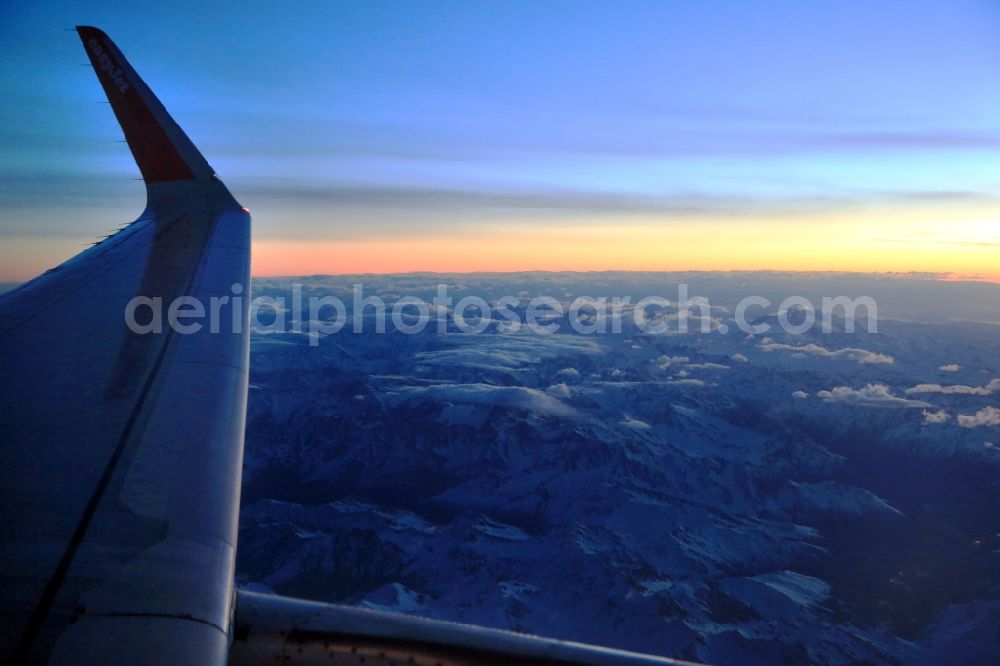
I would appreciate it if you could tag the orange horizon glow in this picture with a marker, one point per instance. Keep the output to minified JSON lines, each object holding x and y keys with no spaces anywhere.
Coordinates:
{"x":966,"y":247}
{"x":290,"y":258}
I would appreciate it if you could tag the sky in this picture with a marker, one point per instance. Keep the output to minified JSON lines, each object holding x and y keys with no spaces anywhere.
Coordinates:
{"x":500,"y":136}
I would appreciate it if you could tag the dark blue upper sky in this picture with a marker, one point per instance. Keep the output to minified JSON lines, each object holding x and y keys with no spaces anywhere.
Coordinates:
{"x":347,"y":120}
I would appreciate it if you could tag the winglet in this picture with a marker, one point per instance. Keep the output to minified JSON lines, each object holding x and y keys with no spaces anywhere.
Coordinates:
{"x":161,"y":149}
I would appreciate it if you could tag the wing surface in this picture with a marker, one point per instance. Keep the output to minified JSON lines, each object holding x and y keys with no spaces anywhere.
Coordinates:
{"x":270,"y":629}
{"x":121,"y":451}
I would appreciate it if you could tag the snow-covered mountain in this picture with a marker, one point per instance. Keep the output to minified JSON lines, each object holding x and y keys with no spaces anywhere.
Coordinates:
{"x":723,"y":497}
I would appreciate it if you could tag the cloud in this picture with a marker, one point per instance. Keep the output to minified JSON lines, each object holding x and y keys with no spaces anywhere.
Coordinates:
{"x":518,"y":397}
{"x":800,"y":395}
{"x":872,"y":395}
{"x":709,"y":366}
{"x":848,"y":354}
{"x":949,"y":139}
{"x":665,"y":361}
{"x":956,"y":389}
{"x":935,"y":417}
{"x":558,"y":391}
{"x":740,"y":358}
{"x":339,"y":195}
{"x":950,"y":367}
{"x":686,"y":382}
{"x":987,"y":416}
{"x":568,"y":375}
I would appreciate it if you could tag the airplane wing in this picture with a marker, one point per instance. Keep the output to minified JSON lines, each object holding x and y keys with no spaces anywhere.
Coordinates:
{"x":121,"y":440}
{"x":274,"y":630}
{"x":121,"y":451}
